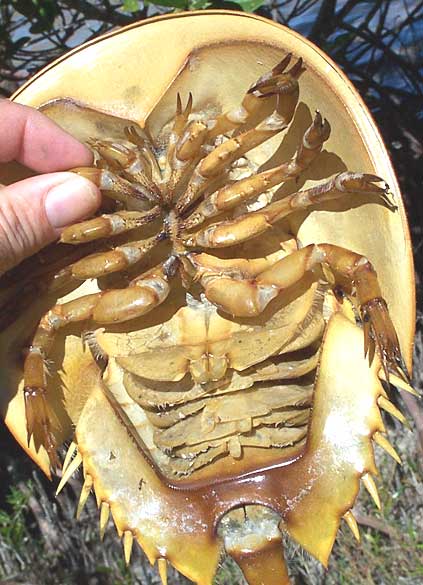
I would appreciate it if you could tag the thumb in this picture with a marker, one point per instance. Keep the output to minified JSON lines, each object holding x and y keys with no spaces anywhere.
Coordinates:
{"x":33,"y":211}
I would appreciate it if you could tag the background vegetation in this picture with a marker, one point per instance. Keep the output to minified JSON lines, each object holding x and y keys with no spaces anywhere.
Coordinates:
{"x":378,"y":44}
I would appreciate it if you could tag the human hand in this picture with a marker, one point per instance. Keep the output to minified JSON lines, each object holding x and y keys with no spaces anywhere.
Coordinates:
{"x":33,"y":211}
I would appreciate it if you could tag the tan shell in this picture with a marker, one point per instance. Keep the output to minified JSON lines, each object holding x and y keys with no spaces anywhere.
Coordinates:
{"x":135,"y":73}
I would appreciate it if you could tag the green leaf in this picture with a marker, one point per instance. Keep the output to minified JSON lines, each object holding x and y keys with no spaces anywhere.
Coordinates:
{"x":199,"y":4}
{"x":131,"y":5}
{"x":249,"y":5}
{"x":170,"y":3}
{"x":340,"y":42}
{"x":41,"y":12}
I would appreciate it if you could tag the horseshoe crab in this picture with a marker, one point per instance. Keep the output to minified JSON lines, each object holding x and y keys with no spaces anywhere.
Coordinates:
{"x":218,"y":336}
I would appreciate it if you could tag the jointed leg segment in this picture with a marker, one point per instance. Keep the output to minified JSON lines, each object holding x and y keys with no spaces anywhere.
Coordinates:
{"x":250,"y":225}
{"x":278,"y":81}
{"x":231,"y":196}
{"x":120,"y":258}
{"x":108,"y":225}
{"x":242,"y":293}
{"x":107,"y":307}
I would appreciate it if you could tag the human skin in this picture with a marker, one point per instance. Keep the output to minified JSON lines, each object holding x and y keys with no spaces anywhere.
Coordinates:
{"x":34,"y":211}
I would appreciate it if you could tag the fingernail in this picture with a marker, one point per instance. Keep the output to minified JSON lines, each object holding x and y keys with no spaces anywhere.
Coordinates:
{"x":71,"y":201}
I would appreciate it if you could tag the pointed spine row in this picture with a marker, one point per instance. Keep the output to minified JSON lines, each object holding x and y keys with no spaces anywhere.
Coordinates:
{"x":72,"y":461}
{"x":382,"y":441}
{"x":383,"y":402}
{"x":162,"y":567}
{"x":398,"y":382}
{"x":369,"y":484}
{"x":69,"y":468}
{"x":85,"y":492}
{"x":127,"y":542}
{"x":352,"y":524}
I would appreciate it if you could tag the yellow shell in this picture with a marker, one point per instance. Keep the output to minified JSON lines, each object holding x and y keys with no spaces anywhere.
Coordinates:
{"x":135,"y":73}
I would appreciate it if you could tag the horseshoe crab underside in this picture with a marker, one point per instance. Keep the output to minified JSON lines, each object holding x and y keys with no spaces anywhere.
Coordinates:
{"x":217,"y":392}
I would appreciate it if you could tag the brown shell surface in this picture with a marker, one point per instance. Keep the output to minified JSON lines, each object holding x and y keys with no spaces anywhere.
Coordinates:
{"x":135,"y":74}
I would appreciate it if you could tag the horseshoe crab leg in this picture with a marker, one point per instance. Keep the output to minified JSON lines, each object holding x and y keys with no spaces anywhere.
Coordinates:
{"x":107,"y":225}
{"x":120,"y":258}
{"x":276,"y":82}
{"x":129,"y":160}
{"x":245,"y":295}
{"x":186,"y":154}
{"x":230,"y":196}
{"x":179,"y":125}
{"x":135,"y":165}
{"x":107,"y":307}
{"x":184,"y":147}
{"x":185,"y":144}
{"x":111,"y":185}
{"x":250,"y":225}
{"x":146,"y":148}
{"x":220,"y":159}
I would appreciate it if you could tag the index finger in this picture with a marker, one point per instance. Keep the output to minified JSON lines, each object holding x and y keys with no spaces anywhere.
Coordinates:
{"x":34,"y":140}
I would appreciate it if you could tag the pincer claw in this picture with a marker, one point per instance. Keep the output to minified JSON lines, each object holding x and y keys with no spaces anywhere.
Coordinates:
{"x":379,"y":333}
{"x":278,"y":81}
